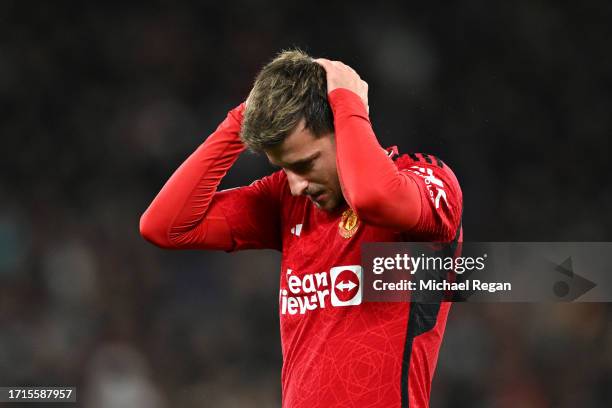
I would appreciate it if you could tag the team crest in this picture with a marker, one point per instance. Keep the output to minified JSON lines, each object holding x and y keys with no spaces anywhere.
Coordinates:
{"x":349,"y":223}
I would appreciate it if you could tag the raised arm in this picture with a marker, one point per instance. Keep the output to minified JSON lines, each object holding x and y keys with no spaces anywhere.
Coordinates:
{"x":380,"y":192}
{"x":188,"y":212}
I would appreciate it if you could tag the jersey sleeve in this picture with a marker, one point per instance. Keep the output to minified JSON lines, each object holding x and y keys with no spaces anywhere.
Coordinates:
{"x":189,"y":213}
{"x":382,"y":193}
{"x":441,"y":200}
{"x":252,"y":213}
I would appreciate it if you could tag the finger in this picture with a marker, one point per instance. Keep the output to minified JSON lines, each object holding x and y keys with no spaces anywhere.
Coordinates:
{"x":325,"y":63}
{"x":337,"y":64}
{"x":351,"y":70}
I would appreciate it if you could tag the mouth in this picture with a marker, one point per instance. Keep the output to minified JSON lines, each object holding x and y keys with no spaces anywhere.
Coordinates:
{"x":318,"y":197}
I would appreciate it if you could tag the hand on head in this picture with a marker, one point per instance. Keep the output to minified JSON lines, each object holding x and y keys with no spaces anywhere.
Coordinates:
{"x":340,"y":75}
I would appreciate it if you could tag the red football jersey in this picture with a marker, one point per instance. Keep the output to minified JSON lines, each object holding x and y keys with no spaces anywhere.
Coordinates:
{"x":337,"y":350}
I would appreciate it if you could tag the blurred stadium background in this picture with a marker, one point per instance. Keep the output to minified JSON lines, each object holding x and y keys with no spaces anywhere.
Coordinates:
{"x":101,"y":102}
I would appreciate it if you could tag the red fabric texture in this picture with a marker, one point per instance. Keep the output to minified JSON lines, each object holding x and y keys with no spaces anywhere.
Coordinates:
{"x":333,"y":354}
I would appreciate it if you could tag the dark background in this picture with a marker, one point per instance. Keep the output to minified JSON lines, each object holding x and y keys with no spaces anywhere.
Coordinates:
{"x":100,"y":103}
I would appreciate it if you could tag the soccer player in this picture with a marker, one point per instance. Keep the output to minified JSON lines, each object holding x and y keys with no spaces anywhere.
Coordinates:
{"x":337,"y":188}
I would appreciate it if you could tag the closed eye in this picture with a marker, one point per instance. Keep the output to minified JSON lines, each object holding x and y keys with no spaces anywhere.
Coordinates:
{"x":302,"y":167}
{"x":299,"y":166}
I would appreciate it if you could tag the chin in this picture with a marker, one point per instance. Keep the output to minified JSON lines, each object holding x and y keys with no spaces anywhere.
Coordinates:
{"x":326,"y":207}
{"x":329,"y":205}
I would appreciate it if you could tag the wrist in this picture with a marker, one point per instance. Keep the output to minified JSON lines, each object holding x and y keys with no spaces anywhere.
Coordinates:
{"x":345,"y":102}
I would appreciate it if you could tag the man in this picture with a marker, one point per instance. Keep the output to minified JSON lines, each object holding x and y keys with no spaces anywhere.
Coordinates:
{"x":336,"y":189}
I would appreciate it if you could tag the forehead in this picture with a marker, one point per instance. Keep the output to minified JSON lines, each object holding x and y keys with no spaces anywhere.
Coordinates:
{"x":299,"y":145}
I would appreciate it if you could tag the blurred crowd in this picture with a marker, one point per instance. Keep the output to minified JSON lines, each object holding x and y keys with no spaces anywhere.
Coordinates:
{"x":100,"y":102}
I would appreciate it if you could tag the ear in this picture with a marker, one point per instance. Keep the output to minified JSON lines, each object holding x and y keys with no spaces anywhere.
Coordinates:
{"x":269,"y":157}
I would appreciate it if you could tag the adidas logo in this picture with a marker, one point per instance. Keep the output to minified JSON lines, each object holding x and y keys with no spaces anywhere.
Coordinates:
{"x":297,"y":230}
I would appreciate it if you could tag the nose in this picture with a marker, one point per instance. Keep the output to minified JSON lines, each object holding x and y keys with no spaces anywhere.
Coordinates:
{"x":297,"y":184}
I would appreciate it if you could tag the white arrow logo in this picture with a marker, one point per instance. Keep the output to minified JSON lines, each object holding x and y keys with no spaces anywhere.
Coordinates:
{"x":342,"y":285}
{"x":345,"y":286}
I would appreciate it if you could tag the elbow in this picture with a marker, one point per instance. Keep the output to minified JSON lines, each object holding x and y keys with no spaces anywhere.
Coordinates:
{"x":387,"y":210}
{"x":367,"y":206}
{"x":153,"y":232}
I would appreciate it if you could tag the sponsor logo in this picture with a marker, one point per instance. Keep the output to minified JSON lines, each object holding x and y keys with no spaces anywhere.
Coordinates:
{"x":346,"y":285}
{"x":342,"y":286}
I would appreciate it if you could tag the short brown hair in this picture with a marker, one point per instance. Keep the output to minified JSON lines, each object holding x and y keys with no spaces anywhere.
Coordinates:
{"x":290,"y":88}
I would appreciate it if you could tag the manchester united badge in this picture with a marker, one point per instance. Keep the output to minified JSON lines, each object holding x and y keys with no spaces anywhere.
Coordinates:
{"x":349,"y":223}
